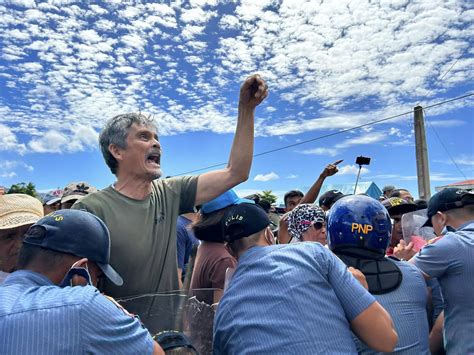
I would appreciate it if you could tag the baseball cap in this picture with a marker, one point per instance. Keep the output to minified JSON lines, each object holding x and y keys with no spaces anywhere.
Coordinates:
{"x":388,"y":188}
{"x":75,"y":232}
{"x":448,"y":199}
{"x":76,"y":191}
{"x":330,"y":197}
{"x":17,"y":210}
{"x":397,"y":205}
{"x":243,"y":220}
{"x":228,"y":198}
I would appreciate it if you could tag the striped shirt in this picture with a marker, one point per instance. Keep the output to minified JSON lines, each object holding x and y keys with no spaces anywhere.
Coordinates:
{"x":37,"y":317}
{"x":289,"y":298}
{"x":451,"y":261}
{"x":407,"y":307}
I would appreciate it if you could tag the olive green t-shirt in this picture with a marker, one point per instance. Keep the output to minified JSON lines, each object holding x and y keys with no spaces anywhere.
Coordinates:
{"x":143,"y":234}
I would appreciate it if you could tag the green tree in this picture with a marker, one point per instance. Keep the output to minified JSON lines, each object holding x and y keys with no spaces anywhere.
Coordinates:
{"x":23,"y":188}
{"x":267,"y":195}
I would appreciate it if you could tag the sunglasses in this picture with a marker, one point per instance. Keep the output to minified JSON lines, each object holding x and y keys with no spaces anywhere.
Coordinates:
{"x":319,"y":225}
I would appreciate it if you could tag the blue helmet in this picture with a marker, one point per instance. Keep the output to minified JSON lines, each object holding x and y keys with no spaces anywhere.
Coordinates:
{"x":359,"y":221}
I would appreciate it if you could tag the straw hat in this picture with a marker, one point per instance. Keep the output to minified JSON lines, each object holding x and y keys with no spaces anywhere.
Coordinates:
{"x":17,"y":210}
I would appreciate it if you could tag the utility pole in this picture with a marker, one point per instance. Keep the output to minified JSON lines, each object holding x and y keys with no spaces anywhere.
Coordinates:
{"x":422,"y":166}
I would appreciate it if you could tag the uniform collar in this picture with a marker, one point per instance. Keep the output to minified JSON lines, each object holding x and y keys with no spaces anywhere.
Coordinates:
{"x":27,"y":277}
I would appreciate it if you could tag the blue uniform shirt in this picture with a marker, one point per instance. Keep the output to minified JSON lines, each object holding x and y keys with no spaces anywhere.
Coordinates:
{"x":407,"y":307}
{"x":451,"y":261}
{"x":37,"y":317}
{"x":289,"y":298}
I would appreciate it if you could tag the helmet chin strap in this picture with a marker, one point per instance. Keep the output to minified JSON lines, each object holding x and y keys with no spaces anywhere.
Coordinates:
{"x":381,"y":273}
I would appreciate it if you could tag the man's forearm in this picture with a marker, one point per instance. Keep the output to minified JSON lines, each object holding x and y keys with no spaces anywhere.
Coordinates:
{"x":313,"y":192}
{"x":240,"y":159}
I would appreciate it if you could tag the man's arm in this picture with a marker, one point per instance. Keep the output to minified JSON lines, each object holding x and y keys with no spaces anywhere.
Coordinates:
{"x":106,"y":327}
{"x":436,"y":336}
{"x":212,"y":184}
{"x":375,"y":328}
{"x":313,"y":192}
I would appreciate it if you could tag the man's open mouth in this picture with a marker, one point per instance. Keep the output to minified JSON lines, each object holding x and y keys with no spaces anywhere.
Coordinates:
{"x":154,"y":158}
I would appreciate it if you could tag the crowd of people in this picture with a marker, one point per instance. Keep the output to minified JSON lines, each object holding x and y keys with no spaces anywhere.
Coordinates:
{"x":338,"y":275}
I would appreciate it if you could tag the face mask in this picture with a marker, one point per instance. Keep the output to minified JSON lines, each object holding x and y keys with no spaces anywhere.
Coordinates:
{"x":75,"y":270}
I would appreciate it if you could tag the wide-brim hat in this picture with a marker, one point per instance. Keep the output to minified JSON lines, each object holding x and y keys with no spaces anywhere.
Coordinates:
{"x":397,"y":205}
{"x":18,"y":210}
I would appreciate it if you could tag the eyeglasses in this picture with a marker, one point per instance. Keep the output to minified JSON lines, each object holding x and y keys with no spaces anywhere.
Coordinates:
{"x":319,"y":225}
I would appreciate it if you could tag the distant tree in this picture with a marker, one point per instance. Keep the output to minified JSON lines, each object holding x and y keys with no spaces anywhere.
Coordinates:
{"x":267,"y":195}
{"x":23,"y":188}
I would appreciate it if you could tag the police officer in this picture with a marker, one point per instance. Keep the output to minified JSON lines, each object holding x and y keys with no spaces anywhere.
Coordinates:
{"x":359,"y":231}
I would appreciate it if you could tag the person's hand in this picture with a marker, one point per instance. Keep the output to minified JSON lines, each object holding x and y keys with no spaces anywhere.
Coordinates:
{"x":359,"y":276}
{"x":404,"y":251}
{"x":331,"y":169}
{"x":283,"y":236}
{"x":253,"y":91}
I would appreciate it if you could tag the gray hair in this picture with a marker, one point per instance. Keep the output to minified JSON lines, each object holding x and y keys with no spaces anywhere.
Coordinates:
{"x":115,"y":132}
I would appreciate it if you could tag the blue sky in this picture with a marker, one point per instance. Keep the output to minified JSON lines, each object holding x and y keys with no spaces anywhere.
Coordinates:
{"x":68,"y":66}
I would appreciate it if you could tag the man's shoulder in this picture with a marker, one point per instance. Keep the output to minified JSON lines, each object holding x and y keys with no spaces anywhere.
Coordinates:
{"x":409,"y":271}
{"x":94,"y":201}
{"x":36,"y":298}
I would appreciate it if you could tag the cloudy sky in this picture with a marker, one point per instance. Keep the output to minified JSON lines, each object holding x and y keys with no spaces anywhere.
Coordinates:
{"x":68,"y":66}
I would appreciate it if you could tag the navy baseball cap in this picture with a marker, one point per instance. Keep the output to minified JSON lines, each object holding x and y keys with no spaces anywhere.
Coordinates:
{"x":228,"y":198}
{"x":330,"y":197}
{"x":76,"y":232}
{"x":243,"y":220}
{"x":448,"y":199}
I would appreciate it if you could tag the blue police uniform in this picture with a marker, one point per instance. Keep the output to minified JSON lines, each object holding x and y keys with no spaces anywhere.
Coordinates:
{"x":451,"y":261}
{"x":291,"y":298}
{"x":38,"y":317}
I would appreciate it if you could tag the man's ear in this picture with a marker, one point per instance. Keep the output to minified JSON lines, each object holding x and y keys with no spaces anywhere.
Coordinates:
{"x":115,"y":151}
{"x":81,"y":263}
{"x":269,"y":236}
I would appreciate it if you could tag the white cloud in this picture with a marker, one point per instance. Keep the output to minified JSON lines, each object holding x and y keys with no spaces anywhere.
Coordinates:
{"x":445,"y":123}
{"x":50,"y":142}
{"x":292,"y":176}
{"x":352,"y":170}
{"x":9,"y":175}
{"x":8,"y":140}
{"x":266,"y":177}
{"x":463,"y":159}
{"x":196,"y":15}
{"x":53,"y":141}
{"x":7,"y":168}
{"x":370,"y":60}
{"x":322,"y":151}
{"x":371,"y":138}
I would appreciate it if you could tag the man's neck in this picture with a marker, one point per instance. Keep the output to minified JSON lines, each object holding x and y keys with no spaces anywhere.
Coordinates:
{"x":131,"y":187}
{"x":458,"y":223}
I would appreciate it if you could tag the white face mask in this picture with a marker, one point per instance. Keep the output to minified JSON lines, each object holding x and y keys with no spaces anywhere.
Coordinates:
{"x":73,"y":271}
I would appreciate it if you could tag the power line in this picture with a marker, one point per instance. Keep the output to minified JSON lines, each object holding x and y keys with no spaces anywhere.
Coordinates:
{"x":444,"y":146}
{"x":334,"y":133}
{"x":442,"y":77}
